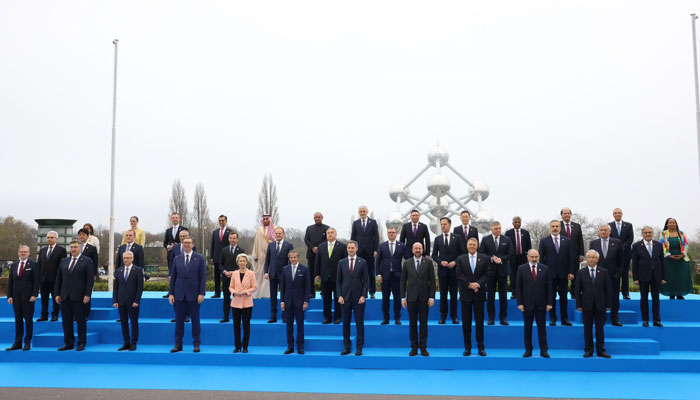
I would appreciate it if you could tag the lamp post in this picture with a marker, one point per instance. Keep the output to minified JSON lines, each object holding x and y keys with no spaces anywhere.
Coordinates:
{"x":110,"y":262}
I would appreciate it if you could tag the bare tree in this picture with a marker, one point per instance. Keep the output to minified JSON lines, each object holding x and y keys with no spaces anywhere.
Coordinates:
{"x":14,"y":232}
{"x":267,"y":200}
{"x":538,"y":230}
{"x":200,"y":214}
{"x":178,"y":203}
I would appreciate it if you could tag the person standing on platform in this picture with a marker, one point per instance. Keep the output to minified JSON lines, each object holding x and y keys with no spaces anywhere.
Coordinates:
{"x":522,"y":244}
{"x":649,"y":272}
{"x":533,"y":289}
{"x":74,"y":282}
{"x":593,"y":295}
{"x":556,"y":252}
{"x":417,"y":296}
{"x":623,"y":231}
{"x":140,"y":238}
{"x":219,"y":240}
{"x":130,"y":245}
{"x":465,"y":230}
{"x":263,"y":236}
{"x":365,"y":232}
{"x":390,"y":255}
{"x":187,"y":290}
{"x":92,"y":239}
{"x":242,"y":286}
{"x":327,"y":257}
{"x":610,"y":257}
{"x":473,"y":275}
{"x":447,"y":247}
{"x":126,"y":296}
{"x":315,"y":235}
{"x":276,"y":258}
{"x":228,"y":262}
{"x":415,"y":231}
{"x":500,"y":250}
{"x":90,"y":251}
{"x":677,"y":263}
{"x":294,"y":293}
{"x":49,"y":259}
{"x":178,"y":250}
{"x":22,"y":291}
{"x":572,"y":231}
{"x":352,"y":285}
{"x":172,"y":237}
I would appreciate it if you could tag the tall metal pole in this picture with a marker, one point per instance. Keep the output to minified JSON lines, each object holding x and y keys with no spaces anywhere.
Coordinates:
{"x":693,"y":18}
{"x":110,"y":270}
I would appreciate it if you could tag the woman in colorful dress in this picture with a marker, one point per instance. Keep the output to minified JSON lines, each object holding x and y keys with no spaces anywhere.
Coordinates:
{"x":679,"y":280}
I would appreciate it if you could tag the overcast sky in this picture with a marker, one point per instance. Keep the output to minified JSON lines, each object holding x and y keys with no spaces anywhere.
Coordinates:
{"x":552,"y":103}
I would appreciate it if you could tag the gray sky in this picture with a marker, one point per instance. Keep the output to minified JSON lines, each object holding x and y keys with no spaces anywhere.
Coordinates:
{"x":580,"y":104}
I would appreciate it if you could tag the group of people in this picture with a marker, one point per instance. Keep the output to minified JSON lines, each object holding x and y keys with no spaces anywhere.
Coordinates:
{"x":469,"y":270}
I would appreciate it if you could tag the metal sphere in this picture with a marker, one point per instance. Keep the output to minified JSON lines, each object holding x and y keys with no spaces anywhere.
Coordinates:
{"x":394,"y":220}
{"x":399,"y":192}
{"x":480,"y":188}
{"x":438,"y":185}
{"x":483,"y":220}
{"x":434,"y":226}
{"x":438,"y":207}
{"x":438,"y":153}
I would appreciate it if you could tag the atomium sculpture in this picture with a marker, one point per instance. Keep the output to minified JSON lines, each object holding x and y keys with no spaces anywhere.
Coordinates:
{"x":439,"y":201}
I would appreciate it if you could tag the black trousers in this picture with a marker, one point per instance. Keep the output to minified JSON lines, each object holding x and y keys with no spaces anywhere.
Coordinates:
{"x":241,"y":315}
{"x":502,"y":282}
{"x":311,"y":263}
{"x":644,"y":300}
{"x":560,"y":286}
{"x":274,"y":288}
{"x":615,"y":304}
{"x":418,"y":312}
{"x":370,"y":264}
{"x":24,"y":312}
{"x":351,"y":307}
{"x":182,"y":308}
{"x":520,"y":259}
{"x":217,"y":279}
{"x":539,"y":315}
{"x":127,"y":314}
{"x":47,"y":288}
{"x":625,"y":275}
{"x":447,"y":278}
{"x":391,"y":287}
{"x":226,"y":295}
{"x":329,"y":293}
{"x":598,"y":317}
{"x":294,"y":312}
{"x":477,"y":306}
{"x":74,"y":309}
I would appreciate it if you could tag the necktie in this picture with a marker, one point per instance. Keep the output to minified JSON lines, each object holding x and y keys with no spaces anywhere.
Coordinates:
{"x":534,"y":273}
{"x":294,"y":271}
{"x":72,"y":265}
{"x":447,"y":242}
{"x":568,"y":230}
{"x":48,"y":253}
{"x":279,"y":246}
{"x":650,"y":249}
{"x":593,"y":275}
{"x":330,"y":250}
{"x":126,"y":273}
{"x":466,"y":232}
{"x":352,"y":267}
{"x":391,"y":248}
{"x":21,"y":269}
{"x":495,"y":239}
{"x":473,"y":263}
{"x":364,"y":224}
{"x":518,"y":249}
{"x":605,"y":248}
{"x":415,"y":229}
{"x":233,"y":250}
{"x":556,"y":244}
{"x":619,"y":229}
{"x":221,"y":234}
{"x":175,"y":237}
{"x":417,"y":264}
{"x":128,"y":247}
{"x":187,"y":260}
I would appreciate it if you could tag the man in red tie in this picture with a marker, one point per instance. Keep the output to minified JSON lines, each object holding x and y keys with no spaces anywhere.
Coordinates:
{"x":415,"y":231}
{"x":22,"y":291}
{"x":219,"y":240}
{"x":572,"y":231}
{"x":533,"y":288}
{"x":74,"y":282}
{"x":522,"y":244}
{"x":352,"y":284}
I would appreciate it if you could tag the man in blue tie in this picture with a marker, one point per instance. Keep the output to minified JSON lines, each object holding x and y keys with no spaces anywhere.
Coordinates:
{"x":295,"y":293}
{"x":557,"y":253}
{"x":187,"y":289}
{"x":472,"y":275}
{"x":275,"y":259}
{"x":649,"y":272}
{"x":593,"y":297}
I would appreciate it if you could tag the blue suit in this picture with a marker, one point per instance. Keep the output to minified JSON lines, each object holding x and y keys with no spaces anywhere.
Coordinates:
{"x":389,"y":268}
{"x":294,"y":294}
{"x":174,"y":252}
{"x":274,"y":262}
{"x":561,"y":264}
{"x":186,"y":284}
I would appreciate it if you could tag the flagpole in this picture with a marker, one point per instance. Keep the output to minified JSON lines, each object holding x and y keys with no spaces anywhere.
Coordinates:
{"x":693,"y":18}
{"x":110,"y":269}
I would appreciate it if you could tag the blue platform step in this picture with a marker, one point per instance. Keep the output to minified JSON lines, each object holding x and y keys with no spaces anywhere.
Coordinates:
{"x":324,"y":343}
{"x":100,"y":313}
{"x":626,"y":317}
{"x":639,"y":346}
{"x":55,"y":339}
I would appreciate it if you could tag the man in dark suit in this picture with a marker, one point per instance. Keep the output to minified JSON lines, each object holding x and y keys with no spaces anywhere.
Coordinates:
{"x":415,"y":231}
{"x":126,"y":296}
{"x":418,"y":295}
{"x":294,"y":293}
{"x":227,"y":264}
{"x":572,"y":231}
{"x":74,"y":282}
{"x":473,"y":275}
{"x":50,"y":258}
{"x":178,"y":249}
{"x":365,"y":232}
{"x":556,"y":252}
{"x":465,"y":230}
{"x":187,"y":289}
{"x":521,"y":245}
{"x":314,"y":236}
{"x":593,"y":295}
{"x":22,"y":291}
{"x":649,"y":272}
{"x":500,"y":251}
{"x":275,"y":259}
{"x":90,"y":251}
{"x":623,"y":231}
{"x":132,"y":246}
{"x":352,"y":285}
{"x":172,"y":237}
{"x":327,"y":256}
{"x":533,"y":289}
{"x":388,"y":266}
{"x":446,"y":249}
{"x":610,"y":257}
{"x":219,"y":240}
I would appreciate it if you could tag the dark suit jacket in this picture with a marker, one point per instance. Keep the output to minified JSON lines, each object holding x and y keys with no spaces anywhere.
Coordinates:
{"x":473,"y":233}
{"x":49,"y":268}
{"x":367,"y":240}
{"x":417,"y":285}
{"x":408,"y":238}
{"x":530,"y":293}
{"x":274,"y":261}
{"x":21,"y":289}
{"x":186,"y":283}
{"x":217,"y":245}
{"x":589,"y":295}
{"x":176,"y":251}
{"x":626,"y":236}
{"x":75,"y":285}
{"x":560,"y":264}
{"x":465,"y":276}
{"x":504,"y":252}
{"x":127,"y":292}
{"x":613,"y":261}
{"x":314,"y":236}
{"x":387,"y":265}
{"x":645,"y":267}
{"x":576,"y":238}
{"x":295,"y":292}
{"x":91,"y":252}
{"x":326,"y":266}
{"x":137,"y":249}
{"x":450,"y":252}
{"x":355,"y":286}
{"x":525,"y":242}
{"x":169,"y":238}
{"x":227,"y":261}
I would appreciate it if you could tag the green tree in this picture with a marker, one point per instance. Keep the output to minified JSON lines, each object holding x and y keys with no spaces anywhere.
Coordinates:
{"x":14,"y":232}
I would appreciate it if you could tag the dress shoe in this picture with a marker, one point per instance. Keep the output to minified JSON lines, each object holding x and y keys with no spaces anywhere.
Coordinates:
{"x":196,"y":348}
{"x":336,"y":321}
{"x":42,"y":319}
{"x":659,"y":324}
{"x":300,"y":351}
{"x":66,"y":347}
{"x":173,"y":320}
{"x":216,"y":296}
{"x":491,"y":322}
{"x":176,"y":349}
{"x":482,"y":353}
{"x":119,"y":320}
{"x":672,"y":297}
{"x":566,"y":323}
{"x":385,"y":322}
{"x":413,"y":352}
{"x":442,"y":321}
{"x":455,"y":321}
{"x":626,"y":297}
{"x":236,"y":350}
{"x":165,"y":296}
{"x":397,"y":322}
{"x":80,"y":347}
{"x":587,"y":354}
{"x":645,"y":324}
{"x":504,"y":322}
{"x":616,"y":323}
{"x":224,"y":321}
{"x":187,"y":319}
{"x":54,"y":319}
{"x":603,"y":354}
{"x":272,"y":320}
{"x":326,"y":321}
{"x":124,"y":347}
{"x":358,"y":352}
{"x":467,"y":353}
{"x":681,"y":298}
{"x":26,"y":347}
{"x":15,"y":346}
{"x":527,"y":353}
{"x":345,"y":352}
{"x":512,"y":297}
{"x":245,"y":350}
{"x":371,"y":296}
{"x":132,"y":347}
{"x":544,"y":354}
{"x":424,"y":352}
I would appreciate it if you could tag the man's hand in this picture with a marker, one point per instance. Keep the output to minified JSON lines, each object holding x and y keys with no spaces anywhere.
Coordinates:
{"x":663,"y":282}
{"x":341,"y":300}
{"x":314,"y":250}
{"x":267,"y":276}
{"x":404,"y":303}
{"x":200,"y":299}
{"x":570,"y":276}
{"x":305,"y":306}
{"x":228,"y":274}
{"x":521,"y":308}
{"x":431,"y":302}
{"x":579,"y":309}
{"x":135,"y":305}
{"x":211,"y":260}
{"x":580,"y":258}
{"x":318,"y":279}
{"x":32,"y":299}
{"x":86,"y":299}
{"x":115,"y":305}
{"x":379,"y":278}
{"x":548,"y":308}
{"x":362,"y":300}
{"x":452,"y":264}
{"x":57,"y":299}
{"x":473,"y":286}
{"x":11,"y":300}
{"x":636,"y":282}
{"x":375,"y":254}
{"x":444,"y":263}
{"x":282,"y":306}
{"x":171,"y":299}
{"x":496,"y":260}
